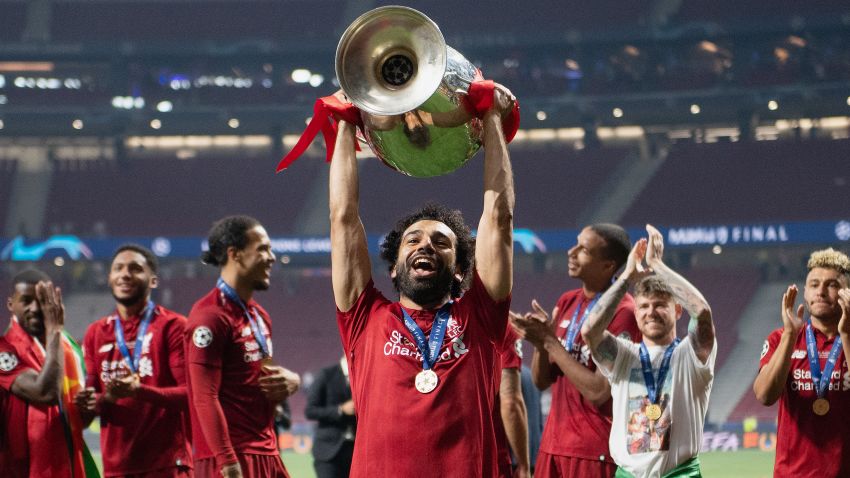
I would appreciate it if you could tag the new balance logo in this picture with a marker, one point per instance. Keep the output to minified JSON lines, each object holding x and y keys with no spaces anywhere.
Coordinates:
{"x":798,"y":354}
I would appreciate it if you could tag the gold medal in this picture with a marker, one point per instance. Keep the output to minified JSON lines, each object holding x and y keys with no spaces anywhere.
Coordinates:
{"x":653,"y":412}
{"x":426,"y":381}
{"x":821,"y":406}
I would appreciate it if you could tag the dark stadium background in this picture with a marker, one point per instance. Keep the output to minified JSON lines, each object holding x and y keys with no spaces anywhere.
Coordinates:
{"x":725,"y":123}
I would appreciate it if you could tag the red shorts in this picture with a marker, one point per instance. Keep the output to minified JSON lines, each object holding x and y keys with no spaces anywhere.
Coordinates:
{"x":253,"y":466}
{"x":557,"y":466}
{"x":173,"y":472}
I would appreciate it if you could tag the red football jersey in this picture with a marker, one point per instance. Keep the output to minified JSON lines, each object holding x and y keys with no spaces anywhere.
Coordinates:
{"x":14,"y":443}
{"x":38,"y":436}
{"x":139,"y":435}
{"x":448,"y":431}
{"x":575,"y":427}
{"x":809,"y":445}
{"x":219,"y":335}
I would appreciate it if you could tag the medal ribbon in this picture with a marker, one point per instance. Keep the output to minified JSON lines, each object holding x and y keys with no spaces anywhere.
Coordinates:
{"x":430,"y":347}
{"x":653,"y":386}
{"x":821,"y":384}
{"x":575,"y":325}
{"x":132,"y":361}
{"x":252,"y":319}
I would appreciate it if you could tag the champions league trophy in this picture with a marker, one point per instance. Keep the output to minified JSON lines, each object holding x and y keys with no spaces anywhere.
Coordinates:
{"x":395,"y":66}
{"x":417,"y":101}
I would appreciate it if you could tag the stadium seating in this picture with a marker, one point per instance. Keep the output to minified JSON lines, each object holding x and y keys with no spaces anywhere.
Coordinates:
{"x":289,"y":21}
{"x":747,"y":182}
{"x":178,"y":197}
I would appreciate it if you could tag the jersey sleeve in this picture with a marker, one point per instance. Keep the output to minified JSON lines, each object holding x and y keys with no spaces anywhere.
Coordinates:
{"x":705,"y":371}
{"x":353,"y":322}
{"x":206,"y":334}
{"x":624,"y":325}
{"x":89,"y":351}
{"x":176,"y":353}
{"x":491,"y":315}
{"x":626,"y":353}
{"x":769,"y":347}
{"x":510,"y":352}
{"x":11,"y":365}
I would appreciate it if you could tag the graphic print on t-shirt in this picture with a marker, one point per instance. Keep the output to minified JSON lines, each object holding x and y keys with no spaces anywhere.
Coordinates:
{"x":642,"y":434}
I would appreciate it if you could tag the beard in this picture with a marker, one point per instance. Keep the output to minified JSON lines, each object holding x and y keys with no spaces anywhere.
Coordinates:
{"x":424,"y":291}
{"x":133,"y":299}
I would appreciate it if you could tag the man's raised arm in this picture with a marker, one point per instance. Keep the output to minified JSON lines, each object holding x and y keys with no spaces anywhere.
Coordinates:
{"x":494,"y":242}
{"x":350,"y":266}
{"x":45,"y":387}
{"x":701,"y":328}
{"x":603,"y":344}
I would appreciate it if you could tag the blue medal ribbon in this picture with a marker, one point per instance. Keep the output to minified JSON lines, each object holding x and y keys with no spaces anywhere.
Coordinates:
{"x":132,"y":361}
{"x":653,"y":386}
{"x":231,"y":295}
{"x":575,"y":325}
{"x":821,"y":379}
{"x":430,"y":347}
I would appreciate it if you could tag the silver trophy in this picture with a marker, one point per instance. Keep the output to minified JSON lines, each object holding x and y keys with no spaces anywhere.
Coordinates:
{"x":409,"y":86}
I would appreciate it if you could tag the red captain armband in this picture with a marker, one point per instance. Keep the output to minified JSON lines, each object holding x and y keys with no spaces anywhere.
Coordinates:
{"x":479,"y":99}
{"x":325,"y":112}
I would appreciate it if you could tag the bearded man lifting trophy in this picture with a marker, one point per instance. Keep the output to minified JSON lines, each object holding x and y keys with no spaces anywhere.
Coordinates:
{"x":417,"y":102}
{"x":424,"y":369}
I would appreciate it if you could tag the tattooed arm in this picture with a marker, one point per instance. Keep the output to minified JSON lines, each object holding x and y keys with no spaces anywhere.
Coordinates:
{"x":701,"y":327}
{"x":603,"y":344}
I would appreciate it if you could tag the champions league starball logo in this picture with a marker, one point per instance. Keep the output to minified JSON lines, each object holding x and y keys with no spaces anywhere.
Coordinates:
{"x":8,"y":361}
{"x":202,"y":337}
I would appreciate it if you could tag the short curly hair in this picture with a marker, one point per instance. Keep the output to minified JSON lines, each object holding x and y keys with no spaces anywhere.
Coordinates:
{"x":465,"y":249}
{"x":653,"y":286}
{"x":227,"y":232}
{"x":830,"y":259}
{"x":149,"y":256}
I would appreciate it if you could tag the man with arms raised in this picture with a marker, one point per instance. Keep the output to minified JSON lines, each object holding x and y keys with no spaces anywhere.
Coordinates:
{"x":233,"y":385}
{"x":575,"y":438}
{"x":422,"y":369}
{"x":802,"y":366}
{"x":136,"y":375}
{"x":660,"y":387}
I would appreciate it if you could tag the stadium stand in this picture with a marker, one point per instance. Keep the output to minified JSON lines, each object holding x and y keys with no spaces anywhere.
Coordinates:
{"x":747,"y":181}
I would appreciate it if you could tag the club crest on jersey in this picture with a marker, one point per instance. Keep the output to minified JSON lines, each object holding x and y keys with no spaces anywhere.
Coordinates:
{"x":8,"y":361}
{"x":202,"y":337}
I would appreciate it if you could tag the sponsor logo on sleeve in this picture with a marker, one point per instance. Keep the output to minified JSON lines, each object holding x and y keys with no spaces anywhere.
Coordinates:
{"x":764,"y":349}
{"x":8,"y":361}
{"x":202,"y":337}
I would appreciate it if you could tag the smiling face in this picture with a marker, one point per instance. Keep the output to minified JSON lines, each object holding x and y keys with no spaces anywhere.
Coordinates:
{"x":426,"y":264}
{"x":656,"y":316}
{"x":821,"y":293}
{"x":587,"y":259}
{"x":255,"y":260}
{"x":26,"y":308}
{"x":131,"y":278}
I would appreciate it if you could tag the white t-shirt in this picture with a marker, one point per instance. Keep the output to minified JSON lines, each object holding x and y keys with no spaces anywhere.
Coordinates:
{"x":649,"y":449}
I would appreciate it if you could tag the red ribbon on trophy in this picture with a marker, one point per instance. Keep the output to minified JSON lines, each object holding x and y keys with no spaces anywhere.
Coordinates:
{"x":479,"y":99}
{"x":325,"y":112}
{"x":327,"y":109}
